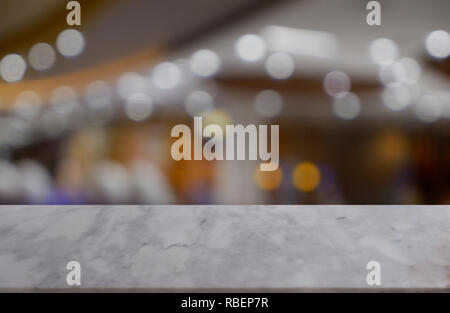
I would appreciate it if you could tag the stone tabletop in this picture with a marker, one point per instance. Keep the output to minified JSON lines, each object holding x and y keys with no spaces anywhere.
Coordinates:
{"x":220,"y":247}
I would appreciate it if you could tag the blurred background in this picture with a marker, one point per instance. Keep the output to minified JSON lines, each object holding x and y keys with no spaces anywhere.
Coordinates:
{"x":86,"y":111}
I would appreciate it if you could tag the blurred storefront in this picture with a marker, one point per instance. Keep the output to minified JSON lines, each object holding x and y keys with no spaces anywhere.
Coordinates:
{"x":87,"y":114}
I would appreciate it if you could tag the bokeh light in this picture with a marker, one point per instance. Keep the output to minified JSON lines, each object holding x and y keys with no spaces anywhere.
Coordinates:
{"x":347,"y":105}
{"x":444,"y":98}
{"x":52,"y":123}
{"x":27,"y":105}
{"x":268,"y":103}
{"x":280,"y":65}
{"x":250,"y":48}
{"x":198,"y":102}
{"x":405,"y":71}
{"x":437,"y":44}
{"x":70,"y":43}
{"x":138,"y":107}
{"x":428,"y":109}
{"x":37,"y":182}
{"x":306,"y":177}
{"x":383,"y":50}
{"x":112,"y":181}
{"x":411,"y":69}
{"x":268,"y":180}
{"x":11,"y":183}
{"x":205,"y":63}
{"x":64,"y":98}
{"x":12,"y":67}
{"x":336,"y":82}
{"x":397,"y":97}
{"x":166,"y":75}
{"x":98,"y":96}
{"x":130,"y":83}
{"x":14,"y":131}
{"x":42,"y":56}
{"x":66,"y":105}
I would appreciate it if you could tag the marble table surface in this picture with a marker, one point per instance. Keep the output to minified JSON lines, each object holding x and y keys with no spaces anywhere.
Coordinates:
{"x":220,"y":247}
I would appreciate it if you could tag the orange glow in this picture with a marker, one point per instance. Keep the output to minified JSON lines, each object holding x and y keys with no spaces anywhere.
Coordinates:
{"x":268,"y":180}
{"x":306,"y":176}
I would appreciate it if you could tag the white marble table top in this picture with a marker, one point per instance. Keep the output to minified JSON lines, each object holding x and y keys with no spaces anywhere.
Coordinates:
{"x":257,"y":247}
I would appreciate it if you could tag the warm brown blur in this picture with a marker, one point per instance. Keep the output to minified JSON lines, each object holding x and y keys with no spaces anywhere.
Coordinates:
{"x":87,"y":111}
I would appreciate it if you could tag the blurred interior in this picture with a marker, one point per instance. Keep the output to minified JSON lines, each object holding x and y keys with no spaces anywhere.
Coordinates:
{"x":86,"y":111}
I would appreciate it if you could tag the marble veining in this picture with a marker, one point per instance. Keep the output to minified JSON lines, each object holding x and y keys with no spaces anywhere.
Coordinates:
{"x":245,"y":246}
